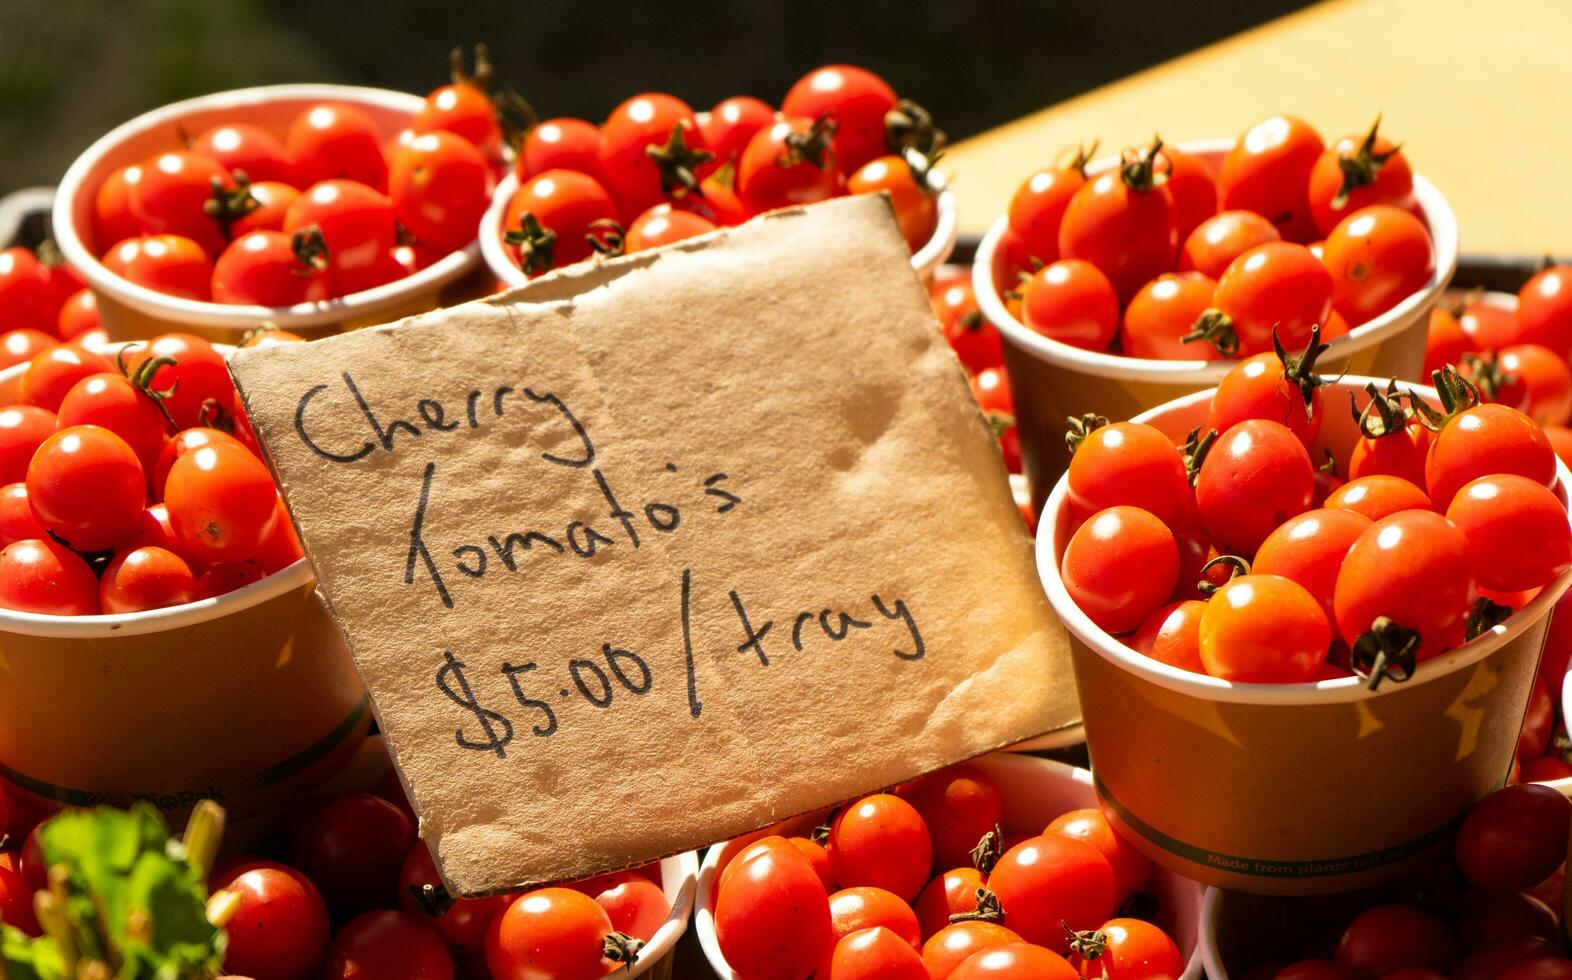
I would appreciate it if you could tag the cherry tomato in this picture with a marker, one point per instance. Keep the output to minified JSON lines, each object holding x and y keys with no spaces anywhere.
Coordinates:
{"x":51,"y":375}
{"x":881,"y":840}
{"x":170,"y":264}
{"x":271,"y":206}
{"x":818,"y":857}
{"x":1538,"y":381}
{"x":356,"y":222}
{"x":1544,"y":309}
{"x":463,"y":107}
{"x":440,"y":186}
{"x":756,"y":848}
{"x":1133,"y":464}
{"x":662,"y":225}
{"x":280,"y":925}
{"x":462,"y":924}
{"x":1412,"y":568}
{"x":335,"y":141}
{"x":181,"y":443}
{"x":652,"y":121}
{"x":948,"y":894}
{"x":40,"y":576}
{"x":560,"y":144}
{"x":1128,"y":949}
{"x":1310,"y":548}
{"x":1120,"y":566}
{"x":353,"y":848}
{"x":1072,"y":302}
{"x":1123,"y":223}
{"x":87,"y":487}
{"x":1015,"y":961}
{"x":24,"y":292}
{"x":1482,"y":441}
{"x":772,"y":917}
{"x":974,"y":340}
{"x":221,"y":502}
{"x":564,"y":204}
{"x":1278,"y":287}
{"x":1489,"y":917}
{"x":1445,"y":341}
{"x":1162,"y":313}
{"x":170,"y":197}
{"x":991,"y":388}
{"x":856,"y":99}
{"x":17,"y":522}
{"x":1131,"y":868}
{"x":1216,"y":242}
{"x":1275,"y":387}
{"x":1037,"y":209}
{"x":1256,"y":476}
{"x":1389,"y":938}
{"x":1377,"y":257}
{"x":1539,"y":968}
{"x":1489,"y":327}
{"x":721,"y":203}
{"x":249,"y":149}
{"x":1172,"y":635}
{"x":1356,"y":172}
{"x":958,"y":805}
{"x":112,"y":218}
{"x":1264,"y":629}
{"x":872,"y":954}
{"x":915,"y":209}
{"x":864,"y":907}
{"x":267,"y":268}
{"x":1398,"y":452}
{"x":1046,"y":884}
{"x":636,"y":907}
{"x":78,"y":315}
{"x":199,"y":375}
{"x":1378,"y":496}
{"x":1193,"y":188}
{"x":281,"y":548}
{"x":1498,"y":514}
{"x":954,"y":944}
{"x":787,"y":163}
{"x":1268,"y":171}
{"x":386,"y":943}
{"x":145,"y":578}
{"x":111,"y":401}
{"x":222,"y":578}
{"x":23,"y":428}
{"x":19,"y":346}
{"x":16,"y":898}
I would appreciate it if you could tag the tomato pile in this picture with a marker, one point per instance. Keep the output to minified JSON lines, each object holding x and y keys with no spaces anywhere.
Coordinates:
{"x":1253,"y":555}
{"x":332,"y":205}
{"x":655,"y":171}
{"x":132,"y":481}
{"x":42,"y":302}
{"x":1490,"y":913}
{"x":920,"y":883}
{"x":1166,"y":256}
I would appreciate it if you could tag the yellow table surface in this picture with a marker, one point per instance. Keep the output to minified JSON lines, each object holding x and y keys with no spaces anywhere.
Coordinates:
{"x":1478,"y":91}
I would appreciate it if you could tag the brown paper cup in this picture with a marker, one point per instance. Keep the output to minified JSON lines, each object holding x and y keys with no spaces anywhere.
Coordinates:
{"x":1294,"y":789}
{"x":1052,"y":381}
{"x":132,"y":312}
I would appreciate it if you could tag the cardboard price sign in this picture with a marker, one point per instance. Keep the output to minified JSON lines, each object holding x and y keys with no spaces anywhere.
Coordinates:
{"x":649,"y":554}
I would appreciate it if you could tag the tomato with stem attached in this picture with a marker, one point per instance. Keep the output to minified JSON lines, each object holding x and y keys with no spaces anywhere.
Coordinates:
{"x":916,"y":211}
{"x":1123,"y":222}
{"x":952,"y":893}
{"x":856,"y":99}
{"x":1049,"y":883}
{"x":268,"y":205}
{"x":1472,"y":440}
{"x":1264,"y":629}
{"x":1378,"y":256}
{"x":1274,"y":293}
{"x":791,"y":161}
{"x":975,"y":341}
{"x":651,"y":150}
{"x":1268,"y":171}
{"x":1216,"y":242}
{"x":1254,"y":477}
{"x":194,"y":375}
{"x":1276,"y":386}
{"x":172,"y":195}
{"x":1126,"y":949}
{"x":357,"y":226}
{"x":1390,"y":442}
{"x":1120,"y":566}
{"x":116,"y":402}
{"x":1356,"y":172}
{"x":463,"y":107}
{"x":271,"y":268}
{"x":336,"y":141}
{"x":1162,"y":314}
{"x":552,"y":218}
{"x":461,"y":922}
{"x":958,"y":805}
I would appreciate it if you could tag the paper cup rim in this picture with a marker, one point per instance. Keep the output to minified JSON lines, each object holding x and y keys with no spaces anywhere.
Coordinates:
{"x":685,"y":867}
{"x":1443,"y":233}
{"x":1203,"y":687}
{"x":925,"y":260}
{"x":224,"y":316}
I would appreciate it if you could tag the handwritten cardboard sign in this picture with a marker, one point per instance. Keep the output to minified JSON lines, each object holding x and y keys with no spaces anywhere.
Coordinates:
{"x":649,"y":554}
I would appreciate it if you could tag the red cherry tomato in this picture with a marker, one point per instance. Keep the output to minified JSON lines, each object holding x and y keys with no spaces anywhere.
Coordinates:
{"x":954,"y":944}
{"x":1498,"y":514}
{"x":649,"y":121}
{"x":183,"y":442}
{"x":565,"y":204}
{"x":1072,"y":302}
{"x":1193,"y":188}
{"x":265,"y":268}
{"x":1131,"y":868}
{"x":1377,"y":257}
{"x":1048,"y":883}
{"x":1356,"y":172}
{"x":1256,"y":476}
{"x":112,"y":218}
{"x":856,"y":99}
{"x":52,"y":373}
{"x":23,"y":428}
{"x":1015,"y":961}
{"x":1412,"y":568}
{"x":87,"y":487}
{"x":1162,"y":313}
{"x":462,"y":108}
{"x":991,"y":387}
{"x":1264,"y":629}
{"x":1492,"y":961}
{"x":1538,"y":381}
{"x":818,"y":857}
{"x":170,"y":264}
{"x":1172,"y":635}
{"x":356,"y":222}
{"x":281,"y":548}
{"x":16,"y":898}
{"x":335,"y":141}
{"x":1037,"y":209}
{"x":1378,"y":496}
{"x":199,"y":375}
{"x":1544,"y":309}
{"x":1120,"y":566}
{"x":1123,"y":223}
{"x":772,"y":917}
{"x":721,"y":203}
{"x":1268,"y":171}
{"x":78,"y":315}
{"x":1399,"y":452}
{"x":1445,"y":341}
{"x":40,"y":576}
{"x":1128,"y":949}
{"x":958,"y":805}
{"x":386,"y":943}
{"x":948,"y":894}
{"x":636,"y":907}
{"x":974,"y":340}
{"x":462,"y":924}
{"x":1490,"y":327}
{"x":865,"y":907}
{"x":1276,"y":288}
{"x":1309,"y":549}
{"x":280,"y":925}
{"x":1389,"y":938}
{"x":221,"y":502}
{"x":25,"y":297}
{"x":1514,"y":838}
{"x":662,"y":225}
{"x":1129,"y":463}
{"x":272,"y":201}
{"x":17,"y":522}
{"x":916,"y":211}
{"x":1273,"y":387}
{"x":145,"y":578}
{"x":19,"y":346}
{"x":787,"y":163}
{"x":881,"y":840}
{"x":1489,"y":917}
{"x":440,"y":185}
{"x":224,"y":577}
{"x":1216,"y":242}
{"x":1482,"y":441}
{"x":561,"y":144}
{"x":169,"y":198}
{"x":249,"y":149}
{"x":353,"y":848}
{"x":111,"y":401}
{"x":729,"y":126}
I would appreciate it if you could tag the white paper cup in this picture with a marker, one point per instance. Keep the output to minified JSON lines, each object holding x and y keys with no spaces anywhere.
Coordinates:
{"x":1052,"y":381}
{"x":1035,"y":792}
{"x":130,"y":311}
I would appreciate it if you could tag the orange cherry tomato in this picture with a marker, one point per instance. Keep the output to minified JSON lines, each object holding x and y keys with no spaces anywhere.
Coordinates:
{"x":1378,"y":256}
{"x":1268,"y":171}
{"x":1264,"y":629}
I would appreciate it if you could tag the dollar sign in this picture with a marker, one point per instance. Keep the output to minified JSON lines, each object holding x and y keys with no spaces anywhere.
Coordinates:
{"x":486,"y":717}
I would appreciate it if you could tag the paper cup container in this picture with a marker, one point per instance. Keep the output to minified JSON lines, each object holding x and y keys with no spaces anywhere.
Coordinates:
{"x":1035,"y":792}
{"x":1052,"y":381}
{"x":131,"y":312}
{"x":1294,"y":789}
{"x":925,"y":260}
{"x":249,"y":699}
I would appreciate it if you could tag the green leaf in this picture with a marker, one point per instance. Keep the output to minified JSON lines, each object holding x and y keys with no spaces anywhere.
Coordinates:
{"x":22,"y":958}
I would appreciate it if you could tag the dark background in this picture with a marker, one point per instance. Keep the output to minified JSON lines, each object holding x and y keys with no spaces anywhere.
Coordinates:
{"x":71,"y":69}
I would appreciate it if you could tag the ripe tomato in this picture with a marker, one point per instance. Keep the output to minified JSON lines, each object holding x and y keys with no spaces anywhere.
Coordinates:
{"x":1489,"y":327}
{"x":353,"y":847}
{"x":112,"y":218}
{"x":170,"y":197}
{"x":1037,"y":209}
{"x":958,"y":804}
{"x":18,"y":346}
{"x":662,"y":225}
{"x":1377,"y":256}
{"x":1128,"y":463}
{"x":915,"y":209}
{"x":1276,"y":289}
{"x":279,"y":927}
{"x":1445,"y":341}
{"x":170,"y":264}
{"x":197,"y":376}
{"x":462,"y":923}
{"x":1389,"y":938}
{"x":463,"y":107}
{"x":636,"y":907}
{"x":1498,"y":514}
{"x":1309,"y":549}
{"x":40,"y":576}
{"x":1544,"y":309}
{"x":145,"y":578}
{"x":16,"y":898}
{"x":560,"y":144}
{"x":1489,"y":917}
{"x":1412,"y":569}
{"x":954,"y":944}
{"x":548,"y":222}
{"x":1048,"y":883}
{"x":1193,"y":188}
{"x":23,"y":428}
{"x":1514,"y":838}
{"x":222,"y":578}
{"x":948,"y":894}
{"x":249,"y":149}
{"x":1015,"y":961}
{"x":1216,"y":242}
{"x":818,"y":857}
{"x":154,"y":531}
{"x":729,"y":126}
{"x":281,"y":548}
{"x":650,"y":148}
{"x":856,"y":99}
{"x":78,"y":315}
{"x":1377,"y":496}
{"x":1538,"y":380}
{"x":873,"y":954}
{"x":864,"y":907}
{"x":1127,"y":949}
{"x":87,"y":487}
{"x":1276,"y":387}
{"x":1160,"y":316}
{"x":881,"y":840}
{"x":1131,"y":868}
{"x":1268,"y":172}
{"x":1071,"y":301}
{"x":24,"y":292}
{"x":1123,"y":222}
{"x":17,"y":522}
{"x":1391,"y":444}
{"x":1256,"y":476}
{"x":1172,"y":634}
{"x":269,"y":268}
{"x":356,"y":222}
{"x":991,"y":388}
{"x":786,"y":163}
{"x":335,"y":141}
{"x":1356,"y":172}
{"x":772,"y":917}
{"x":112,"y":401}
{"x":269,"y":206}
{"x":221,"y":502}
{"x":386,"y":943}
{"x":440,"y":186}
{"x":1481,"y":441}
{"x":1264,"y":629}
{"x":51,"y":375}
{"x":974,"y":340}
{"x":1120,"y":566}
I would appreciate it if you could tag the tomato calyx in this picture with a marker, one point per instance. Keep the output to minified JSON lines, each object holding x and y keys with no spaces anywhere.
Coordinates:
{"x":619,"y":947}
{"x":1485,"y":615}
{"x":1082,"y":155}
{"x":1329,"y":464}
{"x":988,"y":909}
{"x":311,"y":251}
{"x":1138,"y":168}
{"x":910,"y":133}
{"x":1194,"y":451}
{"x":811,"y":145}
{"x":228,"y":205}
{"x":1383,"y":415}
{"x":1214,"y":327}
{"x":1486,"y":373}
{"x":1361,"y":167}
{"x":1384,"y":650}
{"x":1236,"y":567}
{"x":989,"y":849}
{"x":1458,"y":395}
{"x":1000,"y":422}
{"x":536,"y":243}
{"x":1088,"y":945}
{"x":1299,"y":369}
{"x":820,"y":834}
{"x":433,"y":900}
{"x":515,"y":117}
{"x":678,"y":163}
{"x":142,"y":380}
{"x":1082,"y":427}
{"x":460,"y":73}
{"x":606,"y":237}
